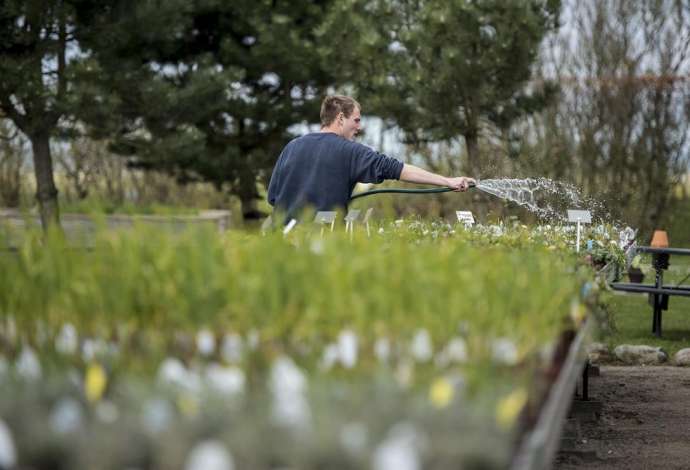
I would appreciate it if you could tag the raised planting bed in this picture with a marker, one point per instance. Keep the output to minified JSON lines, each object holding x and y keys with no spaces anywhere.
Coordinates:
{"x":420,"y":347}
{"x":540,"y":443}
{"x":82,"y":227}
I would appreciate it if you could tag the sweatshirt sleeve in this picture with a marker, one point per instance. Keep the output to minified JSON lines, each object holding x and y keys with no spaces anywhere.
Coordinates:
{"x":369,"y":166}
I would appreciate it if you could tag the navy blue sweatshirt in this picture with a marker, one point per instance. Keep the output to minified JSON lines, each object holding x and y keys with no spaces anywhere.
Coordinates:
{"x":320,"y":171}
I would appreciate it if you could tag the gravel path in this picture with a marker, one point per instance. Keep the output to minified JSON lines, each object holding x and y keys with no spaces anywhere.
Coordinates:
{"x":644,"y":424}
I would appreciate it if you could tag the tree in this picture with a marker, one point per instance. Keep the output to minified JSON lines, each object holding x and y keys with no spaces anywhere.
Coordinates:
{"x":446,"y":69}
{"x":34,"y":82}
{"x":81,"y":162}
{"x":620,"y":126}
{"x":204,"y":90}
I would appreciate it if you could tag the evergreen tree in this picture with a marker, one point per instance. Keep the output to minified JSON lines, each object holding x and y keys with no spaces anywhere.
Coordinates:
{"x":441,"y":69}
{"x":205,"y":90}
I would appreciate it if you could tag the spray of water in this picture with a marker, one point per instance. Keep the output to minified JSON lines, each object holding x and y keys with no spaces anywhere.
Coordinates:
{"x":548,"y":199}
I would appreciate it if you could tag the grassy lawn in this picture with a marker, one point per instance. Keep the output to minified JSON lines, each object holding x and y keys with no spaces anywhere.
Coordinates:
{"x":633,"y":314}
{"x":633,"y":318}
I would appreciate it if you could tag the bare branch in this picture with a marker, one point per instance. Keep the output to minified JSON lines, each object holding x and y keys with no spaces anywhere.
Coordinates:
{"x":10,"y":110}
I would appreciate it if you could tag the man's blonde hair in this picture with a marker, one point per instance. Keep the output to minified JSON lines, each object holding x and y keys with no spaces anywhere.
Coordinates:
{"x":336,"y":104}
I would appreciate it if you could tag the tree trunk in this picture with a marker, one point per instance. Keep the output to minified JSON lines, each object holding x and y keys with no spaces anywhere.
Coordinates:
{"x":472,"y":144}
{"x":249,"y":196}
{"x":46,"y":192}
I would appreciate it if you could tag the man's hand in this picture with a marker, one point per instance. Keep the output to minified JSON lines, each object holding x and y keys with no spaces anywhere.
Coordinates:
{"x":413,"y":174}
{"x":460,"y":183}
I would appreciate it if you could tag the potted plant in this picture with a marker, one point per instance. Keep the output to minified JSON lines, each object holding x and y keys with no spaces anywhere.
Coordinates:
{"x":635,"y":271}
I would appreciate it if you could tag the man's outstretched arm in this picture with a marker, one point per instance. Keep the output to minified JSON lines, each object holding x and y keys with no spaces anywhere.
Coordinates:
{"x":414,"y":174}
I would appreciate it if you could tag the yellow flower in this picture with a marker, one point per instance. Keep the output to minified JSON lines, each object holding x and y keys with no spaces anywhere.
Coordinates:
{"x":441,"y":392}
{"x":578,"y":312}
{"x":95,"y":382}
{"x":510,"y":407}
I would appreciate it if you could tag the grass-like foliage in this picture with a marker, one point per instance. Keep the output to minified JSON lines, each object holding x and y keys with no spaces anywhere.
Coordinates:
{"x":415,"y":336}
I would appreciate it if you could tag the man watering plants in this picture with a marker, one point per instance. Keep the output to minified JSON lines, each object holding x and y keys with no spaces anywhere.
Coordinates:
{"x":320,"y":170}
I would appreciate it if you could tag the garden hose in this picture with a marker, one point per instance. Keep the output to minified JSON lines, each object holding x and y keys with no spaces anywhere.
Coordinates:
{"x":406,"y":191}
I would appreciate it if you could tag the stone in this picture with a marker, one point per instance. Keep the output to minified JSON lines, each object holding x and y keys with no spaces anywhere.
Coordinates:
{"x":640,"y":354}
{"x":682,"y":357}
{"x":598,"y":353}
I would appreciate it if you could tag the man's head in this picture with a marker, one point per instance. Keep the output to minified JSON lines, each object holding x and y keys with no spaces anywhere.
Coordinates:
{"x":341,"y":114}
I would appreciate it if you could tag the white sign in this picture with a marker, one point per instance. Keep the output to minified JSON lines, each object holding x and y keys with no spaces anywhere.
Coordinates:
{"x":584,"y":217}
{"x":352,"y":215}
{"x":290,"y":225}
{"x":350,"y":221}
{"x":465,"y":217}
{"x":325,"y":217}
{"x":580,"y":217}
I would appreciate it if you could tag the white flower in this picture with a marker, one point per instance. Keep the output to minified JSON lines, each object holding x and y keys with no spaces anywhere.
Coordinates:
{"x":210,"y":455}
{"x":66,"y":416}
{"x":228,"y":380}
{"x":330,"y":356}
{"x":28,"y":365}
{"x":316,"y":246}
{"x":173,"y":372}
{"x":91,"y":348}
{"x":288,"y":387}
{"x":504,"y":351}
{"x":421,"y":347}
{"x":232,"y":347}
{"x":205,"y":342}
{"x":457,"y":350}
{"x":400,"y":450}
{"x":286,"y":376}
{"x":347,"y":348}
{"x":8,"y":453}
{"x":454,"y":352}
